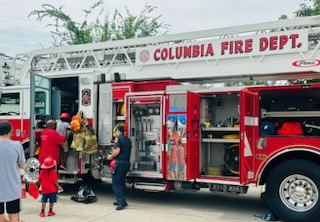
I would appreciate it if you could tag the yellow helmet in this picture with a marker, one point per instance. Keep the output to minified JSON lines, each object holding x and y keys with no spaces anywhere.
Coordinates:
{"x":76,"y":125}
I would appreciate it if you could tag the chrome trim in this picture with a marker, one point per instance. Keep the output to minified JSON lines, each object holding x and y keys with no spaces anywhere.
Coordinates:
{"x":209,"y":181}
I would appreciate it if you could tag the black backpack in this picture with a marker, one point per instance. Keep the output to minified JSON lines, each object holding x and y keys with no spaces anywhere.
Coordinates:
{"x":85,"y":195}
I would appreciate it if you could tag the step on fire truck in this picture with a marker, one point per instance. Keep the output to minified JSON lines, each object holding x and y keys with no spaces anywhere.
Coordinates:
{"x":186,"y":133}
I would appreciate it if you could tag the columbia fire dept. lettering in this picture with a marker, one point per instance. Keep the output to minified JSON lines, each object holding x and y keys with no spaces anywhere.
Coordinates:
{"x":266,"y":43}
{"x":220,"y":48}
{"x":183,"y":52}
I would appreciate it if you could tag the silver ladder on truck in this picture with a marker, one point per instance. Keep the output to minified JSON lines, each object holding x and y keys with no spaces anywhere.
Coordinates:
{"x":234,"y":53}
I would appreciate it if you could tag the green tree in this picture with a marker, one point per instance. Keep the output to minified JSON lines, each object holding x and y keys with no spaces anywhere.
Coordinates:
{"x":307,"y":8}
{"x":67,"y":31}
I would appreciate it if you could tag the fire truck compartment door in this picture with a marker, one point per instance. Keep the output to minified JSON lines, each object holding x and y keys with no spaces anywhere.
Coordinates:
{"x":249,"y":129}
{"x":193,"y":135}
{"x":40,"y":96}
{"x":183,"y":139}
{"x":145,"y":123}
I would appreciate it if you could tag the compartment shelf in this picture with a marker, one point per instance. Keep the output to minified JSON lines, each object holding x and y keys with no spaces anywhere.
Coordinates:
{"x":221,"y":129}
{"x":265,"y":114}
{"x":217,"y":140}
{"x":120,"y":118}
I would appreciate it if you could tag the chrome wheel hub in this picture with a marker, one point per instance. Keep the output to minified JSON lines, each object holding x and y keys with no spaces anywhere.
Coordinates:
{"x":299,"y":193}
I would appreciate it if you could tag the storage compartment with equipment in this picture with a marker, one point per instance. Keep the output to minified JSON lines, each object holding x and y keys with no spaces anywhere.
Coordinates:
{"x":220,"y":135}
{"x":145,"y":133}
{"x":290,"y":112}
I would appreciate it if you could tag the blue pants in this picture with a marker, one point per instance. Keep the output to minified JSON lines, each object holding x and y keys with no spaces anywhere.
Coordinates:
{"x":119,"y":181}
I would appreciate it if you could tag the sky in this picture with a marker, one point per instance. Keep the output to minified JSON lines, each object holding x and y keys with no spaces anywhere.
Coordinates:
{"x":20,"y":33}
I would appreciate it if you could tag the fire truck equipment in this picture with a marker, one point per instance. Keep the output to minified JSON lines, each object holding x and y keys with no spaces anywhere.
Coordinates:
{"x":231,"y":136}
{"x":75,"y":125}
{"x":311,"y":128}
{"x":267,"y":128}
{"x":290,"y":128}
{"x":76,"y":117}
{"x":32,"y":170}
{"x":231,"y":159}
{"x":113,"y":164}
{"x":214,"y":171}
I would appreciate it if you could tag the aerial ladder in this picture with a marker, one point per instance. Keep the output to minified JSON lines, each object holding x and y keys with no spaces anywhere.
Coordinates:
{"x":153,"y":85}
{"x":122,"y":56}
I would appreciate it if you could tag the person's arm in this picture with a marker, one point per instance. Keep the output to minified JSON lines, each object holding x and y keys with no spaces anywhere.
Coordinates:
{"x":54,"y":176}
{"x":22,"y":166}
{"x":21,"y":162}
{"x":115,"y":153}
{"x":65,"y":133}
{"x":116,"y":149}
{"x":60,"y":138}
{"x":58,"y":186}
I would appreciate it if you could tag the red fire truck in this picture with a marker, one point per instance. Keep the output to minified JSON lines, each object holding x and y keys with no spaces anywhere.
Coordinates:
{"x":187,"y":132}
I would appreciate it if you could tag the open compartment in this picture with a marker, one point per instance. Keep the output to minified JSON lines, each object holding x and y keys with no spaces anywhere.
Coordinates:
{"x":290,"y":112}
{"x":145,"y":124}
{"x":220,"y":135}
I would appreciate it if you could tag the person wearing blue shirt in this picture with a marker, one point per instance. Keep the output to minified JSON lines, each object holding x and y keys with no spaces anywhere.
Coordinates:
{"x":121,"y":153}
{"x":12,"y":159}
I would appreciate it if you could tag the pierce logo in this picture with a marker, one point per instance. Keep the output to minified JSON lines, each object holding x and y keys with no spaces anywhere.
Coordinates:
{"x":306,"y":63}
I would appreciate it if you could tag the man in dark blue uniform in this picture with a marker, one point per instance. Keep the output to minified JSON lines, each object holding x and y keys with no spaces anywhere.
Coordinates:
{"x":122,"y":151}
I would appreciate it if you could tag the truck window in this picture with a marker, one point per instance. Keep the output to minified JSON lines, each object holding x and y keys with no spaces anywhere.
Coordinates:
{"x":178,"y":103}
{"x":41,"y":103}
{"x":10,"y":104}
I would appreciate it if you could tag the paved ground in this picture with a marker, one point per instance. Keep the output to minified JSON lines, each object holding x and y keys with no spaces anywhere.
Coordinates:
{"x":198,"y":206}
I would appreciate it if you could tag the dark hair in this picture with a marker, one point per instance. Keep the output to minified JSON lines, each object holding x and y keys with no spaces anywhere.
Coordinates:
{"x":5,"y":127}
{"x":120,"y":128}
{"x":65,"y":119}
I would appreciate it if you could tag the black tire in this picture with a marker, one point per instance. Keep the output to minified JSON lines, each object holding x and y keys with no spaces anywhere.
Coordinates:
{"x":292,"y":191}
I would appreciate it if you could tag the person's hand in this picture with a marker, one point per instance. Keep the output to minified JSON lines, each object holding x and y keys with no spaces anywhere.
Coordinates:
{"x":60,"y":189}
{"x":110,"y":157}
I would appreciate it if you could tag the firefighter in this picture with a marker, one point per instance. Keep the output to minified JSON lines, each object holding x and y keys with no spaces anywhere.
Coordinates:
{"x":121,"y":153}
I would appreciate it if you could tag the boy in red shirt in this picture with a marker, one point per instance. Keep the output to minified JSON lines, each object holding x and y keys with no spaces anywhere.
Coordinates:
{"x":49,"y":183}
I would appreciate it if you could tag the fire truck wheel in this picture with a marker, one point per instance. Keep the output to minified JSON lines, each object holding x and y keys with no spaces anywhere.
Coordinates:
{"x":292,"y":191}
